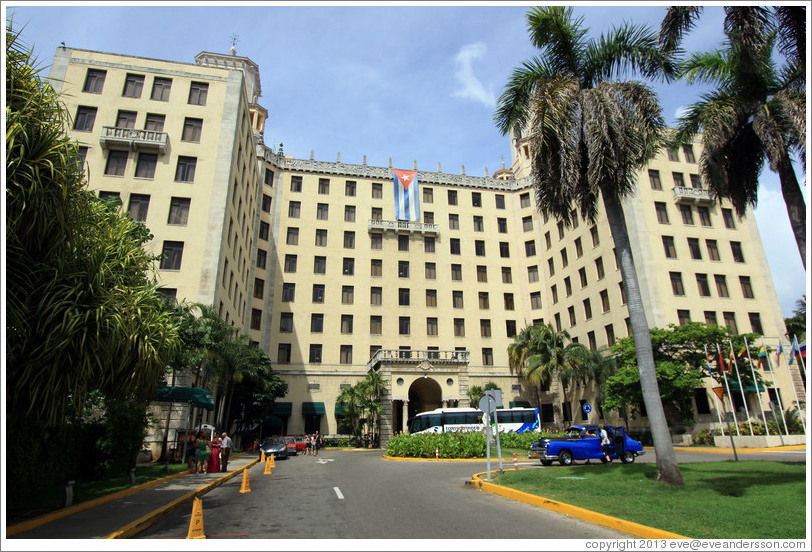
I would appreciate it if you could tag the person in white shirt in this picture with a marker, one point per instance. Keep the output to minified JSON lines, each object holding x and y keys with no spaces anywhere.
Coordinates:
{"x":225,"y":451}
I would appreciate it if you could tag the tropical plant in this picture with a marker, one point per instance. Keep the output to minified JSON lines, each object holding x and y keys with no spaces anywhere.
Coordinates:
{"x":589,"y":134}
{"x":796,"y":324}
{"x":476,"y":392}
{"x":756,"y":111}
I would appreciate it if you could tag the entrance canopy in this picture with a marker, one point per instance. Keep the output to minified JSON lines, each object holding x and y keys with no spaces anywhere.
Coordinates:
{"x":195,"y":395}
{"x":313,"y":408}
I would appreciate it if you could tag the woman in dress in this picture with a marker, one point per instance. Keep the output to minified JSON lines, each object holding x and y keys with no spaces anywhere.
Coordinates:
{"x":214,"y":458}
{"x":202,"y":458}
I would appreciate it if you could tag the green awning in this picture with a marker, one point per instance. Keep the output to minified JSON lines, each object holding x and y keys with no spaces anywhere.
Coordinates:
{"x":195,"y":395}
{"x":734,"y":386}
{"x":520,"y":404}
{"x":313,"y":408}
{"x":282,"y":409}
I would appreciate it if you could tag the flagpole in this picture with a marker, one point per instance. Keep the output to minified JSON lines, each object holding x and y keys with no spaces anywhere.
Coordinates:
{"x":755,"y":384}
{"x":777,"y":390}
{"x":741,"y":387}
{"x":718,"y":414}
{"x":800,"y":357}
{"x":727,"y":387}
{"x":792,"y":385}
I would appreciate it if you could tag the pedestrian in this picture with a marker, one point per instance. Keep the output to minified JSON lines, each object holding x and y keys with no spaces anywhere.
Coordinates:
{"x":202,"y":456}
{"x":606,"y":444}
{"x":307,"y":445}
{"x":316,"y":443}
{"x":214,"y":457}
{"x":225,"y":451}
{"x":191,"y":450}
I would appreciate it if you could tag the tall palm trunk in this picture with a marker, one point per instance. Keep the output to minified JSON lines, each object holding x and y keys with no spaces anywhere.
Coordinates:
{"x":667,"y":468}
{"x":794,"y":200}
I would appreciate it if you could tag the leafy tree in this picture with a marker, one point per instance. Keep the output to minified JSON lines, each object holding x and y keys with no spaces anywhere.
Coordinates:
{"x":476,"y":392}
{"x":83,"y":308}
{"x":796,"y":324}
{"x":590,"y":133}
{"x":757,"y":110}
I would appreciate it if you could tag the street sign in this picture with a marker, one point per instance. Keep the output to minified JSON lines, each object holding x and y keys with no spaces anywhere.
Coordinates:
{"x":720,"y":392}
{"x":497,"y":396}
{"x":587,"y":408}
{"x":487,"y":405}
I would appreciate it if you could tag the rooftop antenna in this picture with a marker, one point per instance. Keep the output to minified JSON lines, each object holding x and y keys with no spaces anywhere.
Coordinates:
{"x":235,"y":38}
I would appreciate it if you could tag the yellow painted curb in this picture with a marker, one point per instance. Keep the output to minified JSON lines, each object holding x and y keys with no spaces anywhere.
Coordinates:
{"x":632,"y":528}
{"x":145,"y":521}
{"x":412,"y":459}
{"x":739,"y":450}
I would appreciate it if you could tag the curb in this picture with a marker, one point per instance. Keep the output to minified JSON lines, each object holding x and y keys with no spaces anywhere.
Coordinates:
{"x":632,"y":528}
{"x":413,"y":459}
{"x":144,"y":522}
{"x":739,"y":450}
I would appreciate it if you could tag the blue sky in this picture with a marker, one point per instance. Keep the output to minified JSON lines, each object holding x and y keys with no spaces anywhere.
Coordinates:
{"x":410,"y":82}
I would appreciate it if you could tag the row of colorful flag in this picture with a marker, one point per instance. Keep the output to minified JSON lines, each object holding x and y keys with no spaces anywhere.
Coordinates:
{"x":797,"y":353}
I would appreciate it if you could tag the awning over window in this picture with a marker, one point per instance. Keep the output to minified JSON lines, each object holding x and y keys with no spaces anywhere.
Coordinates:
{"x":282,"y":409}
{"x":520,"y":404}
{"x":313,"y":408}
{"x":195,"y":395}
{"x":734,"y":387}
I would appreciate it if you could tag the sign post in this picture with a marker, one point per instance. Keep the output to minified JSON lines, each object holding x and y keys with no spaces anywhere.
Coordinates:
{"x":587,"y":408}
{"x":490,"y":401}
{"x":720,"y":392}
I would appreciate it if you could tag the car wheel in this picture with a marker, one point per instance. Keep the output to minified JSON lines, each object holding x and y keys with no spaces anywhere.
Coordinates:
{"x":546,"y":462}
{"x":627,"y":458}
{"x":565,"y":457}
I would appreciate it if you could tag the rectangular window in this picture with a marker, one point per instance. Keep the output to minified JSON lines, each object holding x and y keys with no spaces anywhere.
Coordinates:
{"x":662,"y":212}
{"x":535,"y":300}
{"x":702,"y":285}
{"x":610,"y":334}
{"x":688,"y":151}
{"x":346,"y":323}
{"x":687,"y":214}
{"x":507,"y":277}
{"x":568,"y":286}
{"x":404,"y":297}
{"x":730,"y":321}
{"x":727,"y":216}
{"x":459,"y":327}
{"x":755,"y":322}
{"x":259,"y":288}
{"x":487,"y":356}
{"x":693,"y":247}
{"x":587,"y":309}
{"x":295,"y":183}
{"x":704,"y":216}
{"x":683,"y":317}
{"x":582,"y":276}
{"x":376,"y":296}
{"x":347,"y":295}
{"x":290,"y":263}
{"x":266,"y":203}
{"x":139,"y":205}
{"x":428,"y":244}
{"x":479,"y":248}
{"x":571,"y":313}
{"x":605,"y":300}
{"x":533,"y":274}
{"x":315,"y":353}
{"x":160,"y":89}
{"x":721,"y":285}
{"x":264,"y":230}
{"x":192,"y":129}
{"x":126,"y":119}
{"x":669,"y":248}
{"x":457,"y":299}
{"x":530,"y":248}
{"x":654,"y":178}
{"x":375,"y":325}
{"x":349,"y":213}
{"x":377,"y":190}
{"x":484,"y":300}
{"x":428,"y":195}
{"x":456,"y":272}
{"x":481,"y":273}
{"x":510,"y":328}
{"x":285,"y":321}
{"x":185,"y":171}
{"x":504,"y":250}
{"x":133,"y":86}
{"x":596,"y":239}
{"x":500,"y":201}
{"x":453,"y":222}
{"x":256,"y":319}
{"x":376,"y":267}
{"x":85,"y":117}
{"x":116,"y":163}
{"x":431,"y":326}
{"x":679,"y":180}
{"x":524,"y":200}
{"x":599,"y":267}
{"x":94,"y":81}
{"x":431,"y":271}
{"x":288,"y":292}
{"x":321,"y":237}
{"x":403,"y":242}
{"x":349,"y":239}
{"x":293,"y":236}
{"x":673,"y":154}
{"x":198,"y":93}
{"x":262,"y":258}
{"x":736,"y":250}
{"x":318,"y":293}
{"x":154,"y":121}
{"x":431,"y":297}
{"x":696,"y":182}
{"x":479,"y":225}
{"x":294,"y":209}
{"x":676,"y":283}
{"x":145,"y":167}
{"x":509,"y":305}
{"x":713,"y":250}
{"x":322,"y":211}
{"x":485,"y":327}
{"x":554,"y":293}
{"x":348,"y":267}
{"x":376,"y":241}
{"x":179,"y":211}
{"x":172,"y":255}
{"x":710,"y":317}
{"x":501,"y":225}
{"x":593,"y":344}
{"x":476,"y":199}
{"x":283,"y":353}
{"x":319,"y":264}
{"x":747,"y":288}
{"x":346,"y":354}
{"x":404,"y":325}
{"x":452,"y":197}
{"x":403,"y":269}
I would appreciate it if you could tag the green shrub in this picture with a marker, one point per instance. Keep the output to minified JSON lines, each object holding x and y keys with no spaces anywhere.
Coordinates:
{"x":455,"y":445}
{"x":705,"y":437}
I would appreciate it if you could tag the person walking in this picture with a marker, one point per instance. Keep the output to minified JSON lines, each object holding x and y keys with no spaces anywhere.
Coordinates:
{"x":214,"y":457}
{"x":308,"y":444}
{"x":225,"y":451}
{"x":606,"y":444}
{"x":316,"y":443}
{"x":203,"y":451}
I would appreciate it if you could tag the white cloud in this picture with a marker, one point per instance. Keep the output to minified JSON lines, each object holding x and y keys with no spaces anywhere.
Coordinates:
{"x":471,"y":87}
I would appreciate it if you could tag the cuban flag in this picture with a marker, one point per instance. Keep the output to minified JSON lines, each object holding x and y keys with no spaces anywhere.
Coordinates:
{"x":407,"y":198}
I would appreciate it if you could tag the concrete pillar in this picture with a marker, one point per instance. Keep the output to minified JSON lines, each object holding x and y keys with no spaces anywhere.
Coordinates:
{"x":405,"y":415}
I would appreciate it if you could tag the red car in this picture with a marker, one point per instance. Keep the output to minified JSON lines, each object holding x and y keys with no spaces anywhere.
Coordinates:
{"x":295,"y":444}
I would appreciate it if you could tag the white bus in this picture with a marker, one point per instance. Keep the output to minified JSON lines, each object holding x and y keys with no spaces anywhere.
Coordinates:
{"x":518,"y":420}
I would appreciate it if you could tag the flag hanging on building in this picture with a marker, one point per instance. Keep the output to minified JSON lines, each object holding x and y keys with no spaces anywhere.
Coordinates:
{"x":778,"y":354}
{"x":762,"y":358}
{"x":742,"y":354}
{"x":793,"y":350}
{"x":707,"y":362}
{"x":407,"y":198}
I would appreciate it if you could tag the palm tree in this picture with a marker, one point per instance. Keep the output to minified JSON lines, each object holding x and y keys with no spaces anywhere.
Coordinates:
{"x":756,"y":112}
{"x":524,"y":358}
{"x":590,"y":134}
{"x":350,"y":401}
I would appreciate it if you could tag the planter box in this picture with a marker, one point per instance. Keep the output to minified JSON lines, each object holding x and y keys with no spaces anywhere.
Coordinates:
{"x":759,"y":441}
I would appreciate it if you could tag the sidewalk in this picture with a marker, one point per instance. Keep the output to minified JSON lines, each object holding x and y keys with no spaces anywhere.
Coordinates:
{"x":130,"y":511}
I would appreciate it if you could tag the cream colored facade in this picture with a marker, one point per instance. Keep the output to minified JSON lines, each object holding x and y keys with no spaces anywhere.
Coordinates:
{"x":308,"y":258}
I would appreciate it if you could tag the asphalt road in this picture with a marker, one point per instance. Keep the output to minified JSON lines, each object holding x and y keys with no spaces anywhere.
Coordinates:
{"x":359,"y":495}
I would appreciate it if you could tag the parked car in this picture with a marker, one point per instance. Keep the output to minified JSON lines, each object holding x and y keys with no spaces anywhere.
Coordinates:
{"x":275,"y":446}
{"x":290,"y":442}
{"x":584,"y":443}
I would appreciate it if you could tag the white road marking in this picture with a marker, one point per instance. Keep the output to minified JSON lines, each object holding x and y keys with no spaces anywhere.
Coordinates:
{"x":338,"y":493}
{"x":323,"y":460}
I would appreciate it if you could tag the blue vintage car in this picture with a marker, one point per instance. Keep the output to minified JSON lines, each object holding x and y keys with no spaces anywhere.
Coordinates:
{"x":584,"y":443}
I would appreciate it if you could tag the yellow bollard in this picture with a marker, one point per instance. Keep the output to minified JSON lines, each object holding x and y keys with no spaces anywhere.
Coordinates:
{"x":267,"y":468}
{"x":196,"y":524}
{"x":263,"y":456}
{"x":245,"y":487}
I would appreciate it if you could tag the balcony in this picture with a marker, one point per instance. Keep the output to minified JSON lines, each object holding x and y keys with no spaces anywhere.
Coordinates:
{"x":693,"y":196}
{"x":150,"y":141}
{"x":416,"y":356}
{"x":403,"y":226}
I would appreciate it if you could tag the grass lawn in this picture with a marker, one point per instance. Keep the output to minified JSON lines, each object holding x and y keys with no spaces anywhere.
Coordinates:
{"x":49,"y":499}
{"x":720,"y":500}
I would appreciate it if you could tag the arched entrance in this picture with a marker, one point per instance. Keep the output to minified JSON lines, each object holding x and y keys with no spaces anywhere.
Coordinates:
{"x":424,"y":394}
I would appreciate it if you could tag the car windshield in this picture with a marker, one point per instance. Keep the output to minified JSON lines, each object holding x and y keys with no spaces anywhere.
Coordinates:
{"x":290,"y":440}
{"x":574,"y":432}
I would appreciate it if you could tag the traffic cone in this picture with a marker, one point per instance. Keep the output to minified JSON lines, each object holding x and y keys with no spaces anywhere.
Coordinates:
{"x":245,"y":487}
{"x":196,"y":524}
{"x":267,"y":467}
{"x":263,"y":456}
{"x":273,"y":461}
